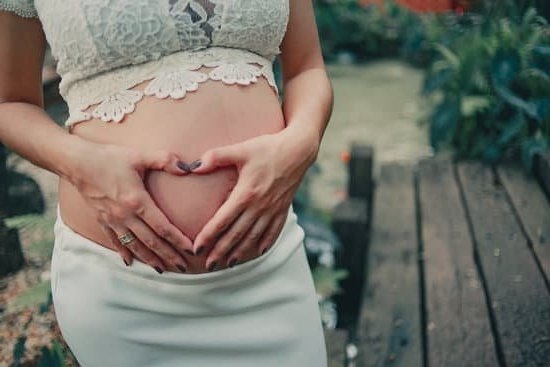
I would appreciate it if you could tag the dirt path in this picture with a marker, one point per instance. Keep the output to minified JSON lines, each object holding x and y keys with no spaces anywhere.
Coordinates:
{"x":377,"y":104}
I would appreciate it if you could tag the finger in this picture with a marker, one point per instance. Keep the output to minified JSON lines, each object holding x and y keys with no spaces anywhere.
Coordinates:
{"x":230,"y":238}
{"x":250,"y":240}
{"x":158,"y":222}
{"x":224,"y":217}
{"x":140,"y":250}
{"x":164,"y":161}
{"x":126,"y":254}
{"x":229,"y":155}
{"x":272,"y":233}
{"x":161,"y":248}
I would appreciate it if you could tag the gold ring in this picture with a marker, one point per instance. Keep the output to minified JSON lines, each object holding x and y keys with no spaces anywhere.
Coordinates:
{"x":126,"y":238}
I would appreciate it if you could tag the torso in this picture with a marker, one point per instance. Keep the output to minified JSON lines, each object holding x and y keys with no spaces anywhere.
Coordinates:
{"x":214,"y":115}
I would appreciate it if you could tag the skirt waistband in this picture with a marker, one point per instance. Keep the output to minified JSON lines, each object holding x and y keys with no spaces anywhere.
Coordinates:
{"x":289,"y":240}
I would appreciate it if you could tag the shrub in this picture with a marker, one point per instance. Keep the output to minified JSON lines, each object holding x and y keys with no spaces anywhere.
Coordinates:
{"x":364,"y":31}
{"x":490,"y":88}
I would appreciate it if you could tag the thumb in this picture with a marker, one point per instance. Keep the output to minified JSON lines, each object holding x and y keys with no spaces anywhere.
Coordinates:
{"x":163,"y":161}
{"x":229,"y":155}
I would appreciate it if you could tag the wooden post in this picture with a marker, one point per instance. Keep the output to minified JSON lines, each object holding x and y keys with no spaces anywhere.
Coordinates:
{"x":360,"y":172}
{"x":349,"y":221}
{"x":11,"y":256}
{"x":542,"y":171}
{"x":336,"y":341}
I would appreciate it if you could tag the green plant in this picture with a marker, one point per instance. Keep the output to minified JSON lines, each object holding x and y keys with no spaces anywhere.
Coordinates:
{"x":490,"y":87}
{"x":365,"y":31}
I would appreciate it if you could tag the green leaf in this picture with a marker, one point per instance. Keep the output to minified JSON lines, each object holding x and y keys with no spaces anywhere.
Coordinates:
{"x":19,"y":350}
{"x":526,"y":106}
{"x":473,"y":104}
{"x":535,"y":81}
{"x":50,"y":357}
{"x":444,"y":121}
{"x":327,"y":280}
{"x":512,"y":129}
{"x":448,"y":55}
{"x":436,"y":80}
{"x":542,"y":107}
{"x":505,"y":67}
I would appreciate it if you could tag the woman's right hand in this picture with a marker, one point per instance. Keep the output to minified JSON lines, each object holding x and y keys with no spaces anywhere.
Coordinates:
{"x":110,"y":178}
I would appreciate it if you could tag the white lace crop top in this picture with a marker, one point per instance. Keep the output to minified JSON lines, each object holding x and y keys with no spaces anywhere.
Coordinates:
{"x":105,"y":47}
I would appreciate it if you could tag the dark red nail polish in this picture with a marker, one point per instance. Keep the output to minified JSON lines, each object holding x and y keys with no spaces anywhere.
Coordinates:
{"x":184,"y":166}
{"x":189,"y":252}
{"x":126,"y":262}
{"x":212,"y":266}
{"x":199,"y":251}
{"x":264,"y":250}
{"x":232,"y":263}
{"x":182,"y":268}
{"x":159,"y":270}
{"x":195,"y":164}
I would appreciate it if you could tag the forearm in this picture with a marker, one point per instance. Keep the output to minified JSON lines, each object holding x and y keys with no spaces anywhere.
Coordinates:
{"x":307,"y":107}
{"x":30,"y":132}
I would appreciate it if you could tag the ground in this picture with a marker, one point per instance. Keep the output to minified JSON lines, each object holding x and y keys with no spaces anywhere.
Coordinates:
{"x":377,"y":104}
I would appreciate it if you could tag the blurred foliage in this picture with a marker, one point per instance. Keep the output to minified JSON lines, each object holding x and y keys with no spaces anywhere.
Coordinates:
{"x":488,"y":73}
{"x":56,"y":353}
{"x":321,"y":245}
{"x":490,"y":87}
{"x":365,"y":32}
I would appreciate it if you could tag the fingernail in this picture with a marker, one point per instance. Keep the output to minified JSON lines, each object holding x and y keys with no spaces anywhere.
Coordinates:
{"x":126,"y":262}
{"x":264,"y":250}
{"x":159,"y":270}
{"x":182,"y":268}
{"x":184,"y":166}
{"x":199,"y":250}
{"x":189,"y":252}
{"x":195,"y":164}
{"x":212,"y":266}
{"x":232,"y":263}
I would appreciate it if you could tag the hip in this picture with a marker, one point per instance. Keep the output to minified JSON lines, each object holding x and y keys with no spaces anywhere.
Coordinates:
{"x":260,"y":312}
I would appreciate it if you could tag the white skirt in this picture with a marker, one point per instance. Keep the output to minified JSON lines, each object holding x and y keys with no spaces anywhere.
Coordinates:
{"x":261,"y":313}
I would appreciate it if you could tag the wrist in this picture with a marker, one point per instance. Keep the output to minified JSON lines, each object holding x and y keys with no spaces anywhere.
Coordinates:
{"x":78,"y":150}
{"x":305,"y":138}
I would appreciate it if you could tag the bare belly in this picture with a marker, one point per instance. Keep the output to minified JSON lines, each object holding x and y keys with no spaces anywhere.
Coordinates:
{"x":215,"y":115}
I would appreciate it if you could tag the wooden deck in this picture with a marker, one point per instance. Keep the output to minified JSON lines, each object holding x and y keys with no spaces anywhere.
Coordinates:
{"x":457,"y":268}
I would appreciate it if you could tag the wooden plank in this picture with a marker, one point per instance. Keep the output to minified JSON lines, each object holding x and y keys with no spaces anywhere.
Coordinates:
{"x":349,"y":221}
{"x":360,"y":171}
{"x":389,"y":330}
{"x":336,"y":341}
{"x":520,"y":302}
{"x":533,"y":209}
{"x":458,"y":325}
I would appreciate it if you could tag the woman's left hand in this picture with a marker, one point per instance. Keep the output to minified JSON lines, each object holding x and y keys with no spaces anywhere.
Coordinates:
{"x":270,"y":168}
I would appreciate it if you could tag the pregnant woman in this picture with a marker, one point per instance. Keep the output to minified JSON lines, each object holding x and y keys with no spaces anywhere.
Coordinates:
{"x":178,"y":157}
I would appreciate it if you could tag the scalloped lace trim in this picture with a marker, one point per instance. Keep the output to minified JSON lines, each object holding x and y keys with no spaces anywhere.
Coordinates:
{"x":23,"y":10}
{"x":111,"y":97}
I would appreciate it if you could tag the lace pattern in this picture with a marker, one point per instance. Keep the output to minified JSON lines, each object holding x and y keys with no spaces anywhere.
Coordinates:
{"x":106,"y":47}
{"x":172,"y":76}
{"x":23,"y":8}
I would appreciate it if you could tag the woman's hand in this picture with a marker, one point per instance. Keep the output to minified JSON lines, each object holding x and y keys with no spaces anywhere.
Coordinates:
{"x":110,"y":179}
{"x":270,"y":169}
